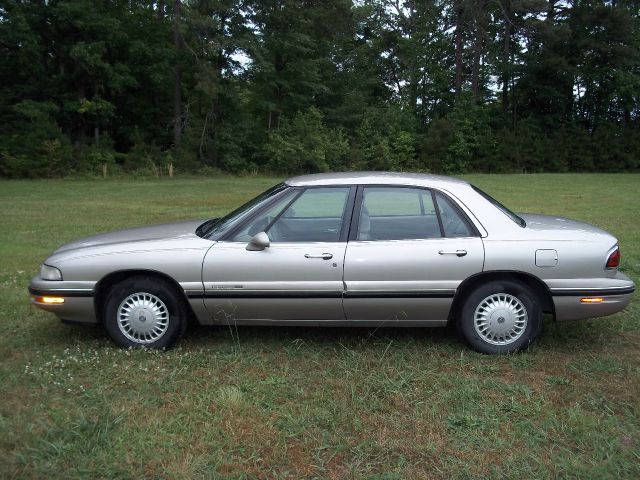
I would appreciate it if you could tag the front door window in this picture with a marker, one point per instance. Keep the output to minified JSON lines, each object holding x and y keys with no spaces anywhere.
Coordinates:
{"x":317,"y":215}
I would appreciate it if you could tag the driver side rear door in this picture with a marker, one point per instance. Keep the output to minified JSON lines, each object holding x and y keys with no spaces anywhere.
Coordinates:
{"x":410,"y":248}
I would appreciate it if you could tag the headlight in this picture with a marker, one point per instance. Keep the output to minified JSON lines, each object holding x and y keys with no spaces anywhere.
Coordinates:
{"x":50,"y":273}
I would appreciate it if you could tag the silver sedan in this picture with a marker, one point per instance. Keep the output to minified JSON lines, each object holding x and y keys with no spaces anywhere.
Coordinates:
{"x":359,"y":249}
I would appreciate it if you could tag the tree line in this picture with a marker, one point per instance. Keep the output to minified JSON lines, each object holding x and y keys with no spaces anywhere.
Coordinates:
{"x":292,"y":86}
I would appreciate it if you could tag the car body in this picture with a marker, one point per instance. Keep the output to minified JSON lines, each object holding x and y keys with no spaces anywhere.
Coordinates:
{"x":356,"y":248}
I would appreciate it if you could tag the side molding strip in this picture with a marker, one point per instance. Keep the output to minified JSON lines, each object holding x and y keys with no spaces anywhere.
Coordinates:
{"x":402,"y":294}
{"x":61,"y":292}
{"x":599,"y":292}
{"x":321,"y":294}
{"x":262,"y":294}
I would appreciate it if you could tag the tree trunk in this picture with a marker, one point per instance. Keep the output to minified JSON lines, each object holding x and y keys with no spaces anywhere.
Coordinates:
{"x":551,"y":11}
{"x":409,"y":22}
{"x":215,"y":122}
{"x":220,"y":64}
{"x":177,"y":81}
{"x":506,"y":56}
{"x":414,"y":82}
{"x":478,"y":46}
{"x":81,"y":125}
{"x":459,"y":10}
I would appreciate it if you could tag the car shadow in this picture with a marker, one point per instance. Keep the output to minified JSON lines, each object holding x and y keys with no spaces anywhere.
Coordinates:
{"x":582,"y":335}
{"x":322,"y":336}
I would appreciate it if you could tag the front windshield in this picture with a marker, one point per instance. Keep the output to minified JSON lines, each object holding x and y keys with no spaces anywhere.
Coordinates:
{"x":215,"y":228}
{"x":519,"y":220}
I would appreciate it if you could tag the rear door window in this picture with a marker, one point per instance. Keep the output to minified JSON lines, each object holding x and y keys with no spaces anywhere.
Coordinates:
{"x":394,"y":213}
{"x":454,"y":223}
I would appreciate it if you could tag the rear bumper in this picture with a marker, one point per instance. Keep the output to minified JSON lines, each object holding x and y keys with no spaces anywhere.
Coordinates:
{"x":610,"y":296}
{"x":76,"y":302}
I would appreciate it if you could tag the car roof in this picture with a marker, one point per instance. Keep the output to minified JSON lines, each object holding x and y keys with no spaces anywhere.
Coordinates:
{"x":373,"y":178}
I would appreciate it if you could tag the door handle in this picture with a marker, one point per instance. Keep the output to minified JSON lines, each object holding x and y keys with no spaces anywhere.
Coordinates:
{"x":458,"y":253}
{"x":324,"y":256}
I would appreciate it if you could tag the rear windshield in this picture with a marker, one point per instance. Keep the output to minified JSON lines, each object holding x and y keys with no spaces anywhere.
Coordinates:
{"x":519,"y":220}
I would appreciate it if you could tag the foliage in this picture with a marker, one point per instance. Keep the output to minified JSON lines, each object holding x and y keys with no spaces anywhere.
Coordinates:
{"x":305,"y":144}
{"x":33,"y":144}
{"x":445,"y":86}
{"x":385,"y":140}
{"x":461,"y":140}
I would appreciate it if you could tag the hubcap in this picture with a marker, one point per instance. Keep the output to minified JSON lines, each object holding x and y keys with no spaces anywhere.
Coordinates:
{"x":143,"y":318}
{"x":500,"y":319}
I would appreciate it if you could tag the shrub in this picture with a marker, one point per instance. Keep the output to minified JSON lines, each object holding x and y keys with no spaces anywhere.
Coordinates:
{"x":306,"y":144}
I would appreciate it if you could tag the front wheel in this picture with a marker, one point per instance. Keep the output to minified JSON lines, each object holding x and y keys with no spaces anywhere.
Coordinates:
{"x":144,"y":311}
{"x":500,"y":317}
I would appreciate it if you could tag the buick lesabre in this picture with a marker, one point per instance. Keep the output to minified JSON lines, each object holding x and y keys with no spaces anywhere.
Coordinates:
{"x":359,"y":249}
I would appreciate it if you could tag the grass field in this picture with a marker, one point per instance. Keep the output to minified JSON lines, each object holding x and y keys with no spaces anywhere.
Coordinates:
{"x":307,"y":403}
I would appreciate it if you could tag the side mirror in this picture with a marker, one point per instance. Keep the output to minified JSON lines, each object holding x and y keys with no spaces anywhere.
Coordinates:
{"x":260,"y":241}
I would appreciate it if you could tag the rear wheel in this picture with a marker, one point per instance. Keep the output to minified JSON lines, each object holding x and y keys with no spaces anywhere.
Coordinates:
{"x":500,"y":317}
{"x":144,"y":311}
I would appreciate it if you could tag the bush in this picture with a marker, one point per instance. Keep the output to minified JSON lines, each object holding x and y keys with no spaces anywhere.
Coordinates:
{"x":305,"y":144}
{"x":33,"y":145}
{"x":385,"y":140}
{"x":461,"y":141}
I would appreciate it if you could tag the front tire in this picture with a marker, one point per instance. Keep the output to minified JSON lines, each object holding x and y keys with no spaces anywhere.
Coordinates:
{"x":500,"y":317}
{"x":144,"y":311}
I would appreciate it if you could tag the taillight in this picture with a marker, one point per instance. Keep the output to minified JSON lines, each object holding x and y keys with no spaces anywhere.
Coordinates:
{"x":614,"y":259}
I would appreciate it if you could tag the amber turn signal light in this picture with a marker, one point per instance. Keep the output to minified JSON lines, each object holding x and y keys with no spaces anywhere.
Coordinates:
{"x":592,"y":300}
{"x":50,"y":300}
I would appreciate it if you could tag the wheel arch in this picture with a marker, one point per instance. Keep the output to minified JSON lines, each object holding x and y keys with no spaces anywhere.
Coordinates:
{"x":106,"y":283}
{"x":540,"y":289}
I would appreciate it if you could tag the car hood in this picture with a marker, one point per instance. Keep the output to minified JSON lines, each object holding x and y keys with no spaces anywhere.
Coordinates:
{"x":185,"y":229}
{"x":565,"y":228}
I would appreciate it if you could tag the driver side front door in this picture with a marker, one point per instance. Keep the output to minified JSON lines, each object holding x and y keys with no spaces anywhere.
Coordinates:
{"x":298,"y":277}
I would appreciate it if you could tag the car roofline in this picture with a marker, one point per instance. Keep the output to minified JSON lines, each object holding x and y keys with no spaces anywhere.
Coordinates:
{"x":373,"y":178}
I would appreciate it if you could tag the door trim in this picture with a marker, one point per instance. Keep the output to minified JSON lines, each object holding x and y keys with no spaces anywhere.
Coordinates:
{"x":328,"y":294}
{"x":265,"y":294}
{"x":401,"y":294}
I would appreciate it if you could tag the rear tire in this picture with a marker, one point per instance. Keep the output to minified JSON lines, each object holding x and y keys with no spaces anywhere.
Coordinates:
{"x":500,"y":317}
{"x":145,"y":311}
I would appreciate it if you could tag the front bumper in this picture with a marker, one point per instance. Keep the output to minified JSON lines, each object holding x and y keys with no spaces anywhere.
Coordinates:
{"x":77,"y":299}
{"x":592,"y":299}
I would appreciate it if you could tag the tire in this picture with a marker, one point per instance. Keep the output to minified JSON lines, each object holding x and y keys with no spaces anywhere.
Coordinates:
{"x":144,"y":311}
{"x":500,"y":317}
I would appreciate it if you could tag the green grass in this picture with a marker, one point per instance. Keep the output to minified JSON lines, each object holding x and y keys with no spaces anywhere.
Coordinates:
{"x":312,"y":403}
